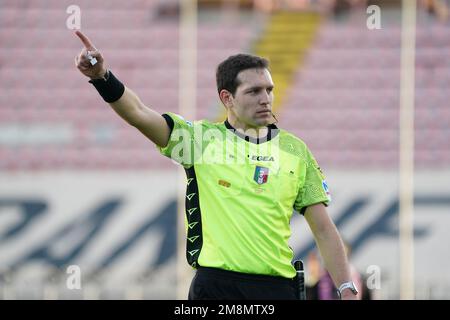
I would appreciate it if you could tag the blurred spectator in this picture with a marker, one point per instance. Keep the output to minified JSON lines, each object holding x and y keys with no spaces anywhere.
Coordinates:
{"x":340,"y":8}
{"x":438,"y":8}
{"x":168,"y":9}
{"x":320,"y":286}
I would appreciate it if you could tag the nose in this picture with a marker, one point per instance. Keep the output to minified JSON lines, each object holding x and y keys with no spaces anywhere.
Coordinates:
{"x":265,"y":98}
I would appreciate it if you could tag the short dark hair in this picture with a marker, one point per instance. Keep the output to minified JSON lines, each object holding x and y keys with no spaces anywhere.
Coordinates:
{"x":228,"y":70}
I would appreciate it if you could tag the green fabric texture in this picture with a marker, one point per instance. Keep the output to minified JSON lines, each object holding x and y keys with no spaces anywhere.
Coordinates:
{"x":246,"y":194}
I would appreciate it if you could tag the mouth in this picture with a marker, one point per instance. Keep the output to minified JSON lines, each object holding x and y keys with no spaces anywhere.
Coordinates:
{"x":264,"y":112}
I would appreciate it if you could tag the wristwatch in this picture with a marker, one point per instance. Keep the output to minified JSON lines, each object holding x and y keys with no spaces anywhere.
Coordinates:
{"x":347,"y":285}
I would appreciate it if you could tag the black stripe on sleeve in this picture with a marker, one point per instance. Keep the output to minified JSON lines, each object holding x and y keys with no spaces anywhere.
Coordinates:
{"x":169,"y":121}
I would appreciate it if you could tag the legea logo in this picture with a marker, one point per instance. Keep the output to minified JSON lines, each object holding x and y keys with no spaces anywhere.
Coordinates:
{"x":262,"y":158}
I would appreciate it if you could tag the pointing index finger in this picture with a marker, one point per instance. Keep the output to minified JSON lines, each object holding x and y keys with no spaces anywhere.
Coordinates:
{"x":87,"y":43}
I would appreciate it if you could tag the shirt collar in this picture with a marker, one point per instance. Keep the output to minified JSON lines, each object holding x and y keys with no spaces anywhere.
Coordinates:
{"x":271,"y":133}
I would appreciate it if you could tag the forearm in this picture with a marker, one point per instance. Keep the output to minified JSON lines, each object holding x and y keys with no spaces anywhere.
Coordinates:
{"x":332,"y":251}
{"x":149,"y":122}
{"x":330,"y":245}
{"x":128,"y":107}
{"x":124,"y":101}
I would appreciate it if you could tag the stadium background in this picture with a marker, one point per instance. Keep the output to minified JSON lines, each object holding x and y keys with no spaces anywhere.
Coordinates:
{"x":80,"y":187}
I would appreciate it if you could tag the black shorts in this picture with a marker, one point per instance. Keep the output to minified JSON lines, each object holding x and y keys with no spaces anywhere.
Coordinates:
{"x":214,"y":284}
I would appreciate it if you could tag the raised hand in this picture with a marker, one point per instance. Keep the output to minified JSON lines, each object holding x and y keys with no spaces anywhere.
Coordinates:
{"x":90,"y":62}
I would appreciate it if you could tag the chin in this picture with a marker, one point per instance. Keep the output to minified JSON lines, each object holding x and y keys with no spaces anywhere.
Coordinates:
{"x":263,"y":122}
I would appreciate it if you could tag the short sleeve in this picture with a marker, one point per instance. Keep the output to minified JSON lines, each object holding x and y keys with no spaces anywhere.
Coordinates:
{"x":314,"y":189}
{"x":180,"y":146}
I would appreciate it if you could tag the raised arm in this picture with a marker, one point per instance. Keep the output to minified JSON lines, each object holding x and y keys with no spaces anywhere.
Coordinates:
{"x":126,"y":103}
{"x":330,"y":245}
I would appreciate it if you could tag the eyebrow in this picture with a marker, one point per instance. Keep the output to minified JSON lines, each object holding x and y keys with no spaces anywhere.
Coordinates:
{"x":258,"y":88}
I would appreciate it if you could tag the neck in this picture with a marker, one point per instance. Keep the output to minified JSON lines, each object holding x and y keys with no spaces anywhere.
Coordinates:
{"x":248,"y":130}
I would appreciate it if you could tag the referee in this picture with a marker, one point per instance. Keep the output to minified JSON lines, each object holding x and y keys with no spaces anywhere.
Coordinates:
{"x":244,"y":177}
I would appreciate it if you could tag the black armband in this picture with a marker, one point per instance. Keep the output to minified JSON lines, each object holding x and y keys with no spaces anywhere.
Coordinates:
{"x":109,"y":87}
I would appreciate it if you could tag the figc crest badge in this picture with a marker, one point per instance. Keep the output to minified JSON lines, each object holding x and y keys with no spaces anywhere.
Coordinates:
{"x":261,"y":175}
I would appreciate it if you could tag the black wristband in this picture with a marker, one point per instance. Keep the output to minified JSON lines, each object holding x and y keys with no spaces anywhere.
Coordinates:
{"x":110,"y":88}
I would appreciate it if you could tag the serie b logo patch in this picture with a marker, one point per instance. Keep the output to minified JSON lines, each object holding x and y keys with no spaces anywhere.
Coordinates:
{"x":261,"y":175}
{"x":326,"y":189}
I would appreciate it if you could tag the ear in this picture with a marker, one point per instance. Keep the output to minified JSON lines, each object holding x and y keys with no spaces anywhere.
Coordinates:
{"x":226,"y":97}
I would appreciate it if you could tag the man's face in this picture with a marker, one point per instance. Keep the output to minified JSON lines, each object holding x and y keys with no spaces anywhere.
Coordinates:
{"x":252,"y":101}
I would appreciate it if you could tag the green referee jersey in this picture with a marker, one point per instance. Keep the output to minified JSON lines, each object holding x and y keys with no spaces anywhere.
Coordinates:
{"x":241,"y":193}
